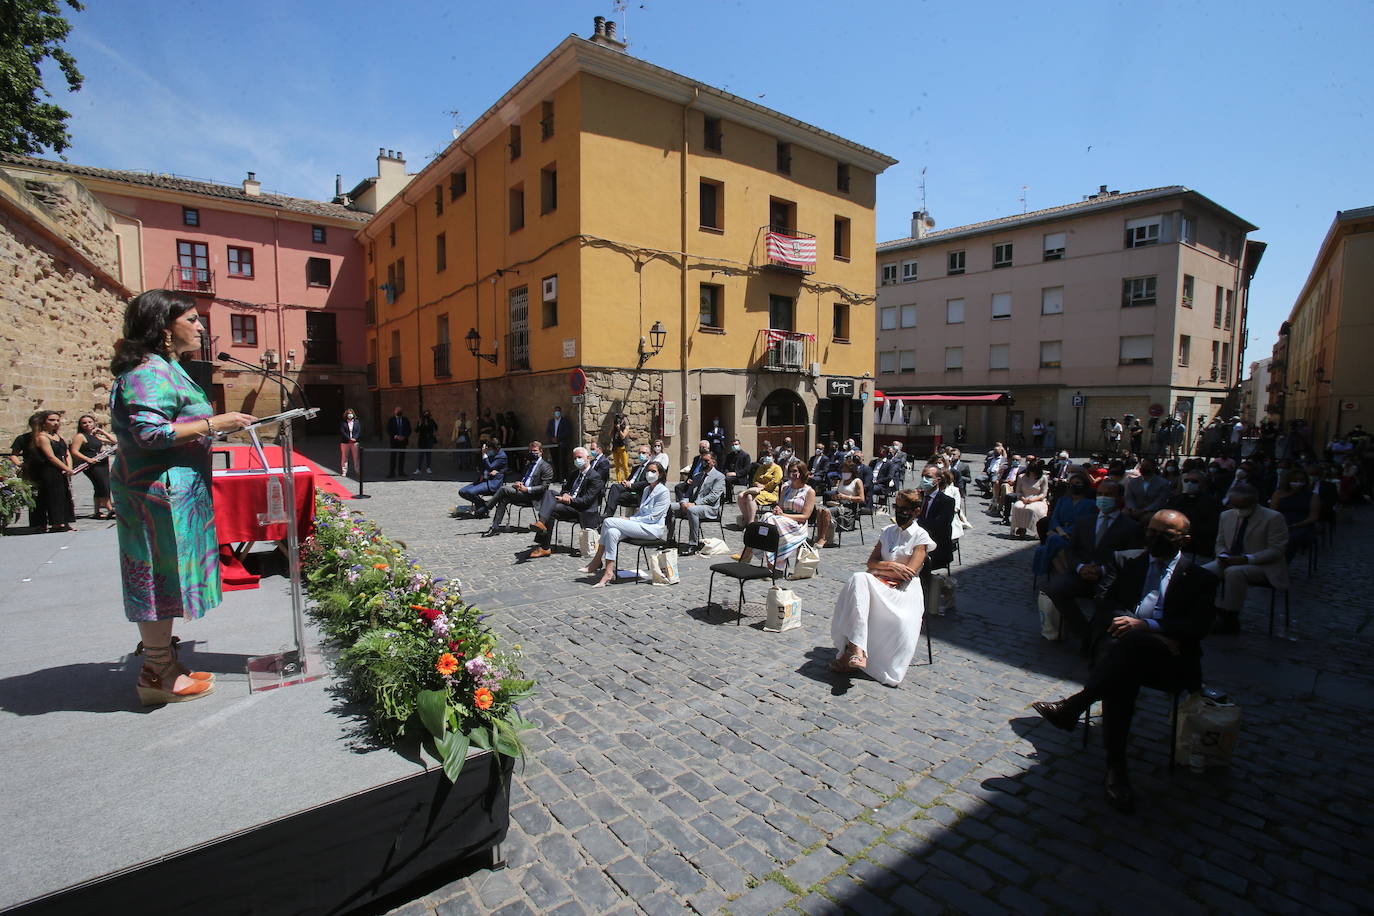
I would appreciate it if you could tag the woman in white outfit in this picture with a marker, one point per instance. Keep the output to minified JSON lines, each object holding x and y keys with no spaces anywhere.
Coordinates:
{"x":877,"y":617}
{"x":648,"y":522}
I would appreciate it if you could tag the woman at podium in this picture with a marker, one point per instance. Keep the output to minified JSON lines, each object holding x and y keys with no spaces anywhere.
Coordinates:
{"x":160,"y":481}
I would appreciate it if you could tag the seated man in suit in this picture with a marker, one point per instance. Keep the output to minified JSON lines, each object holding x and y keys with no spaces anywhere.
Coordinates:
{"x":493,"y":475}
{"x":864,"y":473}
{"x":1203,"y":511}
{"x":1147,"y":493}
{"x":736,"y":468}
{"x":887,"y":479}
{"x":1091,"y":550}
{"x":701,"y":500}
{"x":1251,"y":546}
{"x":1152,"y":621}
{"x":693,"y":469}
{"x":524,"y":492}
{"x":596,"y":457}
{"x":817,"y":464}
{"x":581,"y":494}
{"x":627,"y":493}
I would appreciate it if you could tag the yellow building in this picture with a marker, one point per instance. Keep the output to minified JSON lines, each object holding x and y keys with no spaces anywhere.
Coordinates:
{"x":613,"y":217}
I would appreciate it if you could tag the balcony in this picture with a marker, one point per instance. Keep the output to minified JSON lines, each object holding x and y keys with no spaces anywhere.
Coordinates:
{"x":441,"y":363}
{"x":198,"y":281}
{"x":322,"y":353}
{"x":518,"y":350}
{"x":785,"y":351}
{"x":788,"y":250}
{"x":393,"y":370}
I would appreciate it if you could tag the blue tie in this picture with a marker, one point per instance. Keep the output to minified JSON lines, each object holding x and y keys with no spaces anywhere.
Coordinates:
{"x":529,"y":475}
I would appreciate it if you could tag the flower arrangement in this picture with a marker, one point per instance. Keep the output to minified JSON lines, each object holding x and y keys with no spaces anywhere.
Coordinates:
{"x":16,"y":494}
{"x":411,"y":649}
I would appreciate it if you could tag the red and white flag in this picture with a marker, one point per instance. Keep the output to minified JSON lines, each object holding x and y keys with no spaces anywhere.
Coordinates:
{"x":791,"y":250}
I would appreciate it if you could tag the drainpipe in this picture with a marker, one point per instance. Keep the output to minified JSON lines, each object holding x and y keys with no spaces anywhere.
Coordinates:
{"x":419,"y":301}
{"x":281,"y":324}
{"x":477,"y":288}
{"x":685,"y":416}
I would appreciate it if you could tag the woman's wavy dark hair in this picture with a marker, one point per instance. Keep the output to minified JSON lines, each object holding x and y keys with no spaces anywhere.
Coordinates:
{"x":146,"y":317}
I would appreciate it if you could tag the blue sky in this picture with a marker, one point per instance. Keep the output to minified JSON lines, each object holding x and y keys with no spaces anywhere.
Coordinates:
{"x":1262,"y":106}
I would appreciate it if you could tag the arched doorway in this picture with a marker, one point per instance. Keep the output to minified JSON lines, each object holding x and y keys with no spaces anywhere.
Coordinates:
{"x":783,"y":414}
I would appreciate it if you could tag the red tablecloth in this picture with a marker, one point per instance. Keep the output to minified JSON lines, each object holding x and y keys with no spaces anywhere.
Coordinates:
{"x":239,"y":498}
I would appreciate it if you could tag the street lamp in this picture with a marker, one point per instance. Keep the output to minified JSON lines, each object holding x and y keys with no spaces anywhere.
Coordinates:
{"x":474,"y":342}
{"x":656,"y":336}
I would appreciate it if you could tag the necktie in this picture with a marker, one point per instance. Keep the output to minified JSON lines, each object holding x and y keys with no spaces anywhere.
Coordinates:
{"x":529,"y":475}
{"x":577,"y":486}
{"x":1238,"y":542}
{"x":1103,"y":522}
{"x":1149,"y":601}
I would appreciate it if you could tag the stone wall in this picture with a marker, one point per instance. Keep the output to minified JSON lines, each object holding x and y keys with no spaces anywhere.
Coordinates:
{"x":61,"y":305}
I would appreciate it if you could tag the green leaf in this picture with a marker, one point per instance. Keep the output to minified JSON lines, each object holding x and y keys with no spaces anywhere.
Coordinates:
{"x":454,"y":748}
{"x":481,"y":737}
{"x":506,"y":740}
{"x":433,"y":708}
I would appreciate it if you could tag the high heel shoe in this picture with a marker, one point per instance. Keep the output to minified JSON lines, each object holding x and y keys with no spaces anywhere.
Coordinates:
{"x":176,"y":660}
{"x":154,"y":687}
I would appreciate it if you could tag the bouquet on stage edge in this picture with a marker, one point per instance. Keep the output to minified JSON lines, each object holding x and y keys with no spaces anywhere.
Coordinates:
{"x":16,"y":494}
{"x":411,"y":649}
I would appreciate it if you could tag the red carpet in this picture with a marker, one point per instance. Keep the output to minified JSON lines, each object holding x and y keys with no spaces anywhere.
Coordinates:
{"x":241,"y":456}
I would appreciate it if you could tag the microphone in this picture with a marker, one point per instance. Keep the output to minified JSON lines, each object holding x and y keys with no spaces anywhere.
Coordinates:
{"x":304,"y":401}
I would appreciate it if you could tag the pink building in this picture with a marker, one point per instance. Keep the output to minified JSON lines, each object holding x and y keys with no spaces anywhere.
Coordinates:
{"x":1122,"y":303}
{"x":278,"y":278}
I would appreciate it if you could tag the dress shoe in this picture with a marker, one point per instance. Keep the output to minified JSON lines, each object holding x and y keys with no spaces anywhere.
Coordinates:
{"x":1060,"y":715}
{"x":540,"y":526}
{"x":538,"y":552}
{"x":688,"y":551}
{"x":478,"y":513}
{"x":1119,"y":793}
{"x":490,"y":533}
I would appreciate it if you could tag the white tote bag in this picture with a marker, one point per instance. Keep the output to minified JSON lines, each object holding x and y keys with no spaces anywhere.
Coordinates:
{"x":588,"y":541}
{"x":807,"y":563}
{"x":784,"y":610}
{"x":663,"y":568}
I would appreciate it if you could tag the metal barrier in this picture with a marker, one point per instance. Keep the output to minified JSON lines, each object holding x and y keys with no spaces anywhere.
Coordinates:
{"x":463,"y":465}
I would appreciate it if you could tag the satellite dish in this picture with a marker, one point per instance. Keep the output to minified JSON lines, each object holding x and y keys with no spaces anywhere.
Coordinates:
{"x":930,"y":223}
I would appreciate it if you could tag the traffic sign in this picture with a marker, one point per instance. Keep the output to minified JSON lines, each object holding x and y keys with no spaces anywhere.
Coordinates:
{"x":577,"y":381}
{"x":1079,"y":400}
{"x":1156,"y":410}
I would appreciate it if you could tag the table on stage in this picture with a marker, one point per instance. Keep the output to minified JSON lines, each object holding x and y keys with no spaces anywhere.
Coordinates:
{"x":240,"y":496}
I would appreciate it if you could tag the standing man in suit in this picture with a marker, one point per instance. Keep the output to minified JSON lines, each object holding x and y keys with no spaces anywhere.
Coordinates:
{"x":559,"y":431}
{"x":398,"y":435}
{"x":936,"y":516}
{"x":1154,"y":618}
{"x":701,"y":500}
{"x":524,"y":492}
{"x":1252,"y":541}
{"x":581,"y":491}
{"x":493,"y":475}
{"x":716,"y":436}
{"x":1091,"y":550}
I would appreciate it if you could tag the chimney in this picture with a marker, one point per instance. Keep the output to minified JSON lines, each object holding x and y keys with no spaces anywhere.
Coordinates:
{"x":598,"y":25}
{"x":921,"y":223}
{"x":251,"y":186}
{"x":603,"y":33}
{"x":338,"y":185}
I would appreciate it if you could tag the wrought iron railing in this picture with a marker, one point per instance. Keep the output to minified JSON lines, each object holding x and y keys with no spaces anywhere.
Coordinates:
{"x":518,"y":350}
{"x":784,"y":248}
{"x":199,"y":280}
{"x":785,"y":351}
{"x":442,"y":369}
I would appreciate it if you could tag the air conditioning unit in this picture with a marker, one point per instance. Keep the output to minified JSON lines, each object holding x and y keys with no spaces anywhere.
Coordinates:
{"x":550,"y":288}
{"x":815,"y":370}
{"x":793,"y":352}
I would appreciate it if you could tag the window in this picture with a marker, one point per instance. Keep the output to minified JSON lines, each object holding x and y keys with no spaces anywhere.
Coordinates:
{"x":1218,"y":309}
{"x":190,"y":216}
{"x":243,"y":330}
{"x":840,"y":324}
{"x":550,"y":305}
{"x":1137,"y":291}
{"x":1001,"y":255}
{"x":441,"y":252}
{"x":1225,"y":375}
{"x":1142,"y":232}
{"x":887,"y":363}
{"x":781,"y":313}
{"x":240,"y":262}
{"x":514,"y":142}
{"x":909,"y":271}
{"x":317,"y":272}
{"x":954,"y":311}
{"x":782,"y":215}
{"x":400,"y":275}
{"x":1138,"y":350}
{"x":548,"y":188}
{"x":954,"y":358}
{"x":841,"y":238}
{"x":842,"y":176}
{"x":1189,"y":282}
{"x":712,"y":213}
{"x":1187,"y":229}
{"x":955,"y":263}
{"x":518,"y":340}
{"x":887,"y":318}
{"x":1185,"y":349}
{"x":516,"y":204}
{"x":1226,"y":318}
{"x":909,"y":316}
{"x":393,"y":362}
{"x":711,"y":135}
{"x":999,"y":356}
{"x":546,"y":120}
{"x":1054,"y":245}
{"x":438,"y":201}
{"x":889,"y":274}
{"x":457,"y":184}
{"x":321,"y":338}
{"x":318,"y":235}
{"x":1052,"y":300}
{"x":785,"y":158}
{"x":1001,"y":305}
{"x":1216,"y":359}
{"x":1051,"y":352}
{"x":710,"y":315}
{"x":442,"y":367}
{"x":392,"y":234}
{"x":906,"y":360}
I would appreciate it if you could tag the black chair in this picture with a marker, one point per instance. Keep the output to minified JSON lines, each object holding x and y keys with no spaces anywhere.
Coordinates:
{"x":760,"y":537}
{"x":678,"y":519}
{"x":855,"y":519}
{"x":1173,"y":694}
{"x":644,"y":545}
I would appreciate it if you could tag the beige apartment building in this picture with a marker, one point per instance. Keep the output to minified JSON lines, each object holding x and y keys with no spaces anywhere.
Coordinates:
{"x":1320,"y":370}
{"x":1122,"y":303}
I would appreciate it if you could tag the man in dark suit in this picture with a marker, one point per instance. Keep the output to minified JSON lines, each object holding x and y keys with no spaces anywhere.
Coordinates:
{"x":524,"y":492}
{"x":736,"y":468}
{"x":581,"y":492}
{"x":1202,"y":509}
{"x":936,"y":516}
{"x":1152,"y":622}
{"x":1091,"y":551}
{"x":627,"y":493}
{"x":887,"y":479}
{"x":493,"y":475}
{"x":864,"y":473}
{"x":398,"y":436}
{"x":599,"y":462}
{"x":690,"y":472}
{"x":559,"y":432}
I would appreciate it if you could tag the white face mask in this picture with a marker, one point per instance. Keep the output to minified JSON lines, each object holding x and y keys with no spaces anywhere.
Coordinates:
{"x":652,"y":477}
{"x":846,"y":475}
{"x":767,"y":459}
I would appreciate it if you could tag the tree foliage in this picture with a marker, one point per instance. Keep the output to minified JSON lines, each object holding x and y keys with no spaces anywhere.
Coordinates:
{"x":30,"y":31}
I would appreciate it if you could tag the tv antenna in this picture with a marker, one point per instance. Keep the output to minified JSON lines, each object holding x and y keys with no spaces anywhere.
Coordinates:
{"x":924,"y":208}
{"x":1024,"y":188}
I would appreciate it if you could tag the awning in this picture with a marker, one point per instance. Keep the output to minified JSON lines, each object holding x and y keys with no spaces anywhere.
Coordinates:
{"x":986,"y":399}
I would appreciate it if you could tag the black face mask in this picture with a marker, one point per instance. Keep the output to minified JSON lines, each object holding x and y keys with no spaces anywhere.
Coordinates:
{"x":1160,"y":546}
{"x":904,"y":516}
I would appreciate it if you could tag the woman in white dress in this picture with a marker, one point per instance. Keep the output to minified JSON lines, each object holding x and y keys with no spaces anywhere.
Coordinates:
{"x":877,"y":617}
{"x":648,"y":522}
{"x":1030,"y":499}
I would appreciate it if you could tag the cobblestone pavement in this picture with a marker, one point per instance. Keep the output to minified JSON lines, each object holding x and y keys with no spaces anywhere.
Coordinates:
{"x":684,"y":762}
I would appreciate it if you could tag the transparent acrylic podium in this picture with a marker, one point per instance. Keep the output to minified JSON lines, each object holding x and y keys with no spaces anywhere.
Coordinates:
{"x":303,"y":661}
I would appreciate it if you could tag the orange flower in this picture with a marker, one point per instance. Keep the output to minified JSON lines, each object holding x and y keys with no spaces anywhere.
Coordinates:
{"x":381,"y":566}
{"x":446,"y":664}
{"x":483,"y":698}
{"x":490,"y":654}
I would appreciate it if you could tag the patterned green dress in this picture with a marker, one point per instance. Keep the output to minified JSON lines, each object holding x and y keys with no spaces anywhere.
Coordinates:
{"x":168,"y":555}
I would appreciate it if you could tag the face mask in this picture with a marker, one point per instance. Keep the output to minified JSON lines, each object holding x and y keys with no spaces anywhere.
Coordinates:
{"x":1192,"y":486}
{"x":767,"y":459}
{"x":925,"y":483}
{"x":595,"y":454}
{"x":558,"y":414}
{"x":580,"y":462}
{"x":1159,"y":546}
{"x":534,"y":456}
{"x":846,"y":476}
{"x":1106,"y":504}
{"x":904,"y":516}
{"x":735,"y":447}
{"x":652,"y":477}
{"x":643,"y":457}
{"x":1297,"y":483}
